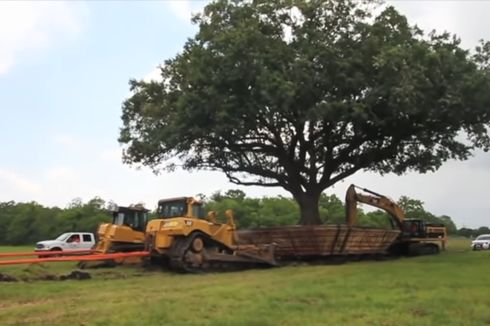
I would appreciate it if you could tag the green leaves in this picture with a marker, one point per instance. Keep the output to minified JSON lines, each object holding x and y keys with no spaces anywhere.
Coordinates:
{"x":302,"y":94}
{"x":27,"y":223}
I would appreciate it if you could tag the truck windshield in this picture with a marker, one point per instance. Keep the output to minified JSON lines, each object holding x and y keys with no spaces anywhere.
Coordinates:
{"x":63,"y":237}
{"x":483,"y":237}
{"x":172,"y":209}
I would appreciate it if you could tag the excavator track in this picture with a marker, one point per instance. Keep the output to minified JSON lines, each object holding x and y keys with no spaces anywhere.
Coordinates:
{"x":423,"y":249}
{"x":198,"y":253}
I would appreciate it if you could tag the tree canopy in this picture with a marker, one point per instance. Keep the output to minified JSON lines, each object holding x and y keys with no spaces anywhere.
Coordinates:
{"x":302,"y":94}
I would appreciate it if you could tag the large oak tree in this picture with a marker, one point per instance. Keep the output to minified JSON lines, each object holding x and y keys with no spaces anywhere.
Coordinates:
{"x":302,"y":94}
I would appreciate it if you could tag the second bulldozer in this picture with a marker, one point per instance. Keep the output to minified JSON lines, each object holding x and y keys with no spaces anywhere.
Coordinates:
{"x":190,"y":241}
{"x":126,"y":232}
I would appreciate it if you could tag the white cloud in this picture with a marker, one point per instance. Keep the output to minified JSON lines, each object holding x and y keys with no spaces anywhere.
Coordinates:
{"x":181,"y":9}
{"x":154,"y":75}
{"x":112,"y":155}
{"x":64,"y":173}
{"x":27,"y":27}
{"x":466,"y":19}
{"x":12,"y":182}
{"x":63,"y":183}
{"x":184,"y":9}
{"x":66,"y":140}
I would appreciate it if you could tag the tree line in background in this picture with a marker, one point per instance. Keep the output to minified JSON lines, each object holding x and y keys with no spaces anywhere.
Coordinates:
{"x":27,"y":223}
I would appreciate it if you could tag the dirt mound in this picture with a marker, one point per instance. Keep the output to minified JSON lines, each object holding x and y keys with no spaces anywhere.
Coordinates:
{"x":7,"y":278}
{"x":76,"y":275}
{"x":39,"y":275}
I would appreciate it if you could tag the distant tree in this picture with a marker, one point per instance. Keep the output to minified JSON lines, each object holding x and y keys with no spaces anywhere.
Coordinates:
{"x":377,"y":218}
{"x":414,"y":208}
{"x":26,"y":223}
{"x":96,"y":203}
{"x":448,"y":222}
{"x":7,"y":214}
{"x":483,"y":230}
{"x":235,"y":194}
{"x":75,"y":202}
{"x":332,"y":209}
{"x":254,"y":212}
{"x":411,"y":206}
{"x":466,"y":232}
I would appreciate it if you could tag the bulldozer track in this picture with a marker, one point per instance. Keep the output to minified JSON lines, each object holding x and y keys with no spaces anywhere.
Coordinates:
{"x":215,"y":257}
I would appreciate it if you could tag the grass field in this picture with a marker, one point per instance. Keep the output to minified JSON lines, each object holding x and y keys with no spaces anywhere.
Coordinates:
{"x":448,"y":289}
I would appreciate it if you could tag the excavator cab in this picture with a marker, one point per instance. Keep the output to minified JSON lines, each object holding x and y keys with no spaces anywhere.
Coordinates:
{"x":417,"y":228}
{"x":413,"y":228}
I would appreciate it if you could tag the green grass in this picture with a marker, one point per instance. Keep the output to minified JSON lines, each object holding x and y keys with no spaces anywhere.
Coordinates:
{"x":448,"y":289}
{"x":16,"y":248}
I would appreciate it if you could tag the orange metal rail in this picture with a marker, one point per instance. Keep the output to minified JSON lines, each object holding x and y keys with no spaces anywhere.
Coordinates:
{"x":46,"y":253}
{"x":76,"y":258}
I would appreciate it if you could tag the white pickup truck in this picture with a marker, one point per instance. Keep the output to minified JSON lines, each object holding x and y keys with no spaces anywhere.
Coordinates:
{"x":68,"y":241}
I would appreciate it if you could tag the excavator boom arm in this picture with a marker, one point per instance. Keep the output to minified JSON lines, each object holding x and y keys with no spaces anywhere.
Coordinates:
{"x":373,"y":199}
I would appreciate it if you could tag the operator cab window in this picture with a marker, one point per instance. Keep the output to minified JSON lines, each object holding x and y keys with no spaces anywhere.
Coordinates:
{"x":172,"y":209}
{"x":140,"y":221}
{"x":87,"y":238}
{"x":198,"y":211}
{"x":119,"y":219}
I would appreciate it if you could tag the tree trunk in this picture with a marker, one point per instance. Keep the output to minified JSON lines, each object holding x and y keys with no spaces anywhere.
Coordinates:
{"x":308,"y":205}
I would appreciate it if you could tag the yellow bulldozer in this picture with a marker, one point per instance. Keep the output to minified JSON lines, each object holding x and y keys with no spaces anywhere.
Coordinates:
{"x":126,"y":232}
{"x":188,"y":240}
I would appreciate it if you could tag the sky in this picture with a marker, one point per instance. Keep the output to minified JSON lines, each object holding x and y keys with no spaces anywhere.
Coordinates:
{"x":64,"y":72}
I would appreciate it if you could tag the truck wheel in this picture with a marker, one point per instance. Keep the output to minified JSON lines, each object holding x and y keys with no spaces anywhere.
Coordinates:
{"x":56,"y":249}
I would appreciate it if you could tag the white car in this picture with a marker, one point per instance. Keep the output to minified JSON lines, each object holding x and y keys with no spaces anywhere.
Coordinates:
{"x":68,"y":241}
{"x":481,"y":242}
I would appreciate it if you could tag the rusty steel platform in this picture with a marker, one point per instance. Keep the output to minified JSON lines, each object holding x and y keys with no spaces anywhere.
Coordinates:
{"x":320,"y":240}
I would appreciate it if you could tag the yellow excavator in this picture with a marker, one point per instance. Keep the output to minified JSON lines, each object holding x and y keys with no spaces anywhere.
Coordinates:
{"x":417,"y":237}
{"x":188,"y":240}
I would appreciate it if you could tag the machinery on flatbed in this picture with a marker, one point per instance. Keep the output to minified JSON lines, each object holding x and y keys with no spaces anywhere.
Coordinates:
{"x":189,"y":241}
{"x":417,"y":237}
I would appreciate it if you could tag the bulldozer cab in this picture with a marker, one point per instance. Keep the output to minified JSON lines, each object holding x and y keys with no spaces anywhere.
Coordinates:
{"x":134,"y":217}
{"x":180,"y":207}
